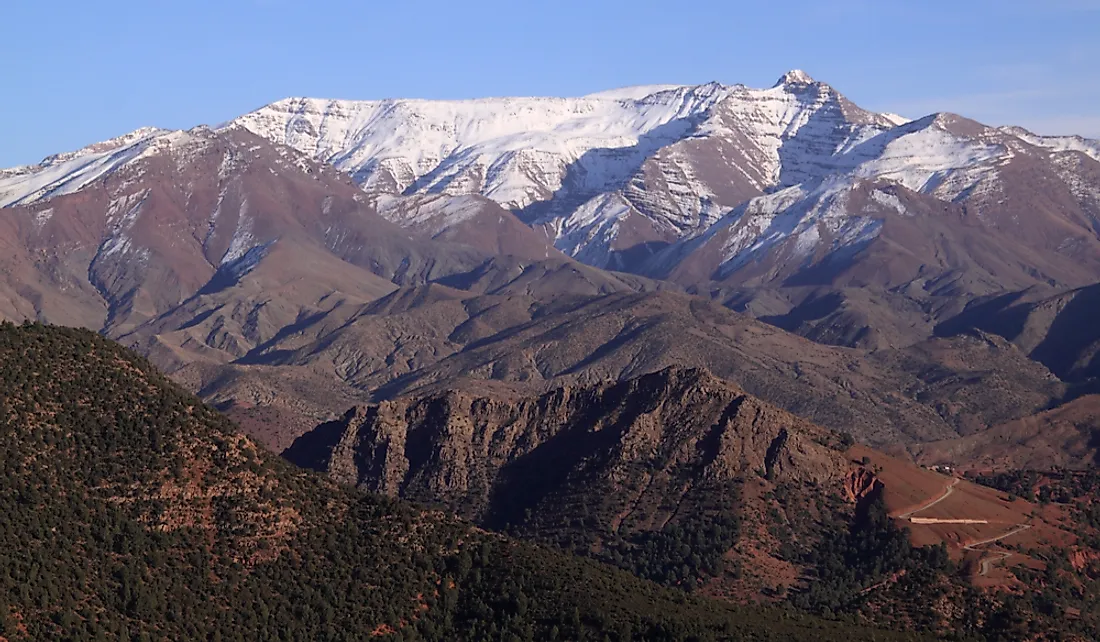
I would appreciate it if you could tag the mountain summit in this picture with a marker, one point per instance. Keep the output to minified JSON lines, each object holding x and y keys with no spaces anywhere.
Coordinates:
{"x":795,"y":77}
{"x":603,"y":175}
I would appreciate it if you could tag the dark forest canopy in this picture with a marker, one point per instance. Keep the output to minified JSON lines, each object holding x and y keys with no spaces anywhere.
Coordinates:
{"x":131,"y":511}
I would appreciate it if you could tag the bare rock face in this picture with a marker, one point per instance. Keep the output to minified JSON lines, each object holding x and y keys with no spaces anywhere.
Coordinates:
{"x":611,"y":470}
{"x":860,"y":483}
{"x":650,"y":441}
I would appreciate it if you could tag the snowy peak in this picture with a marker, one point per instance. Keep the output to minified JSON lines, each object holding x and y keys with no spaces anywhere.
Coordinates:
{"x":896,"y":119}
{"x":515,"y":151}
{"x":71,"y":172}
{"x":614,"y":176}
{"x":795,"y":77}
{"x":668,"y":158}
{"x":601,"y":173}
{"x":113,"y":144}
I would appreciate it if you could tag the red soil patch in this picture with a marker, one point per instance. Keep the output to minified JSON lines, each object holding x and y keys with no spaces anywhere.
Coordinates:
{"x":382,"y":629}
{"x":907,"y":486}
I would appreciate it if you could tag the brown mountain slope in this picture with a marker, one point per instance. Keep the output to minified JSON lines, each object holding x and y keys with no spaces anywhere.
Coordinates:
{"x":209,"y":244}
{"x":937,"y":247}
{"x":1059,"y":330}
{"x":196,"y":212}
{"x":890,"y":397}
{"x":1065,"y":437}
{"x":683,"y":478}
{"x":936,"y":390}
{"x":924,"y":240}
{"x":474,"y":221}
{"x":472,"y":453}
{"x":311,"y":292}
{"x":1035,"y":197}
{"x":594,"y":468}
{"x":858,"y":317}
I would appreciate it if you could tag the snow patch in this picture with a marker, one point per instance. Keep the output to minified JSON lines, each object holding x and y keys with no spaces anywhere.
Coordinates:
{"x":896,"y":119}
{"x":122,"y":215}
{"x":42,"y":217}
{"x":246,"y":262}
{"x":798,"y":215}
{"x":1089,"y":147}
{"x":243,"y":239}
{"x":436,"y":213}
{"x":636,"y":92}
{"x":889,"y":201}
{"x":795,"y":77}
{"x":921,"y":158}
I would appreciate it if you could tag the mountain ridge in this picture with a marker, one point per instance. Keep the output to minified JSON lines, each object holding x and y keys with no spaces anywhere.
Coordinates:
{"x":683,"y":478}
{"x":234,"y":260}
{"x":614,"y":176}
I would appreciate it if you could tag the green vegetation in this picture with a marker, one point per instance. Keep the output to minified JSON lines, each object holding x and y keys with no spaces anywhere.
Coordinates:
{"x":130,"y":511}
{"x":680,"y":554}
{"x":1078,"y":490}
{"x":1058,"y":485}
{"x":848,"y":562}
{"x":683,"y":552}
{"x":1065,"y":600}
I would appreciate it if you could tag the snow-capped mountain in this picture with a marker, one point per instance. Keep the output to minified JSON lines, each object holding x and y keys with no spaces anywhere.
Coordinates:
{"x":602,"y":174}
{"x":701,"y":184}
{"x":1039,"y":197}
{"x":616,"y":178}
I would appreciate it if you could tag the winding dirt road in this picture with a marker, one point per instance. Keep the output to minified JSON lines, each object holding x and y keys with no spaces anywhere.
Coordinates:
{"x":986,"y":563}
{"x":946,"y":493}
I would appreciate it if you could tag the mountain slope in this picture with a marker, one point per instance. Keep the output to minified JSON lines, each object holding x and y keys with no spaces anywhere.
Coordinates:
{"x":227,"y":240}
{"x":606,"y":470}
{"x":468,"y":220}
{"x":197,"y":211}
{"x":132,"y":511}
{"x":936,"y":206}
{"x":686,"y":421}
{"x":1058,"y":329}
{"x":682,"y":478}
{"x":435,"y":339}
{"x":1064,"y":437}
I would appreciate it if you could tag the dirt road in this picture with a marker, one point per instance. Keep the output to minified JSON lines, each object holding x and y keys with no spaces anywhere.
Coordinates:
{"x":987,"y":562}
{"x":946,"y":493}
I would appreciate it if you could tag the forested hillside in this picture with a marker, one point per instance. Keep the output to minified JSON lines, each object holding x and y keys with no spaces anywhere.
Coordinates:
{"x":131,"y":511}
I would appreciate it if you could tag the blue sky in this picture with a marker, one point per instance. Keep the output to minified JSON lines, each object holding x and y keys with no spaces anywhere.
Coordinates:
{"x":75,"y":72}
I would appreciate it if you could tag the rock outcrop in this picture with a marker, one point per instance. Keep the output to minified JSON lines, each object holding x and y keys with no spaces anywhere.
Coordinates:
{"x":649,"y":442}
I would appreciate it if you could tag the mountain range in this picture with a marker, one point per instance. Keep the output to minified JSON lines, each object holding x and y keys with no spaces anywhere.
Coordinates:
{"x":364,"y":248}
{"x":717,"y":336}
